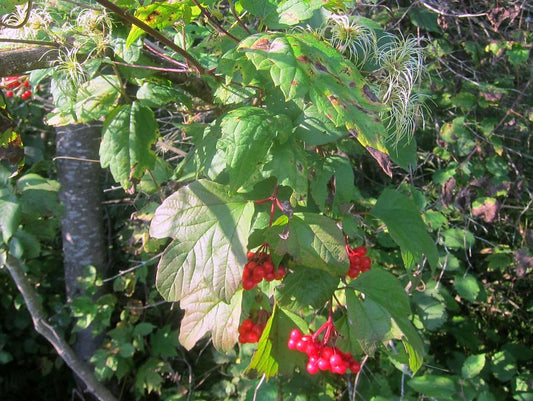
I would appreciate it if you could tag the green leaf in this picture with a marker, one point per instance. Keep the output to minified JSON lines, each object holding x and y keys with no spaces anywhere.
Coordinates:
{"x":424,"y":19}
{"x":385,"y":289}
{"x":9,"y":216}
{"x":305,"y":288}
{"x":247,"y":134}
{"x":503,"y":365}
{"x":288,"y":163}
{"x":211,"y":230}
{"x":457,"y":238}
{"x":156,"y":95}
{"x":472,"y":366}
{"x":279,"y":14}
{"x":301,"y":65}
{"x":467,"y":287}
{"x":206,"y":312}
{"x":96,"y":98}
{"x":342,"y":170}
{"x":38,"y":196}
{"x":315,"y":128}
{"x":369,"y":322}
{"x":431,"y":308}
{"x":129,"y":133}
{"x":313,"y":241}
{"x":441,"y":387}
{"x":406,"y":227}
{"x":149,"y":376}
{"x":163,"y":342}
{"x":272,"y":356}
{"x":8,"y":6}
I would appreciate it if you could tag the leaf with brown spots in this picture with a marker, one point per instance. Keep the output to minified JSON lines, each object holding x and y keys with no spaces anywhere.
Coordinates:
{"x":304,"y":67}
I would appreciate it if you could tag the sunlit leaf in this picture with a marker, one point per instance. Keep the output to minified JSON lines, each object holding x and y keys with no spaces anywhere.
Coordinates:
{"x":206,"y":312}
{"x":211,"y":231}
{"x":313,"y":241}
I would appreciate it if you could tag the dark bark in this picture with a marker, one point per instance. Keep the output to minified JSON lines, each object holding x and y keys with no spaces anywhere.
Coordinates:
{"x":79,"y":172}
{"x":20,"y":61}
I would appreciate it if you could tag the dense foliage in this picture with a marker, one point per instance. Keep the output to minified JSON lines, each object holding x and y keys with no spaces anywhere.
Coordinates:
{"x":304,"y":199}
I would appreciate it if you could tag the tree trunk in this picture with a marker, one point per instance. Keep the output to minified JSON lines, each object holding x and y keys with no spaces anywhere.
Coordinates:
{"x":79,"y":173}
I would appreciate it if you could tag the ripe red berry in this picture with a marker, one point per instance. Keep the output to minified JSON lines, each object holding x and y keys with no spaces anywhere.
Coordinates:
{"x":26,"y":95}
{"x":9,"y":93}
{"x":296,"y":334}
{"x":312,"y":368}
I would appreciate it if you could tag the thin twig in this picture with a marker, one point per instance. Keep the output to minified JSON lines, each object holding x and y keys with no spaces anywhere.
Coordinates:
{"x":436,"y":10}
{"x":221,"y":29}
{"x":76,"y":158}
{"x":154,"y":33}
{"x":153,"y":48}
{"x":123,"y":272}
{"x":30,"y":42}
{"x":237,"y":18}
{"x":357,"y":377}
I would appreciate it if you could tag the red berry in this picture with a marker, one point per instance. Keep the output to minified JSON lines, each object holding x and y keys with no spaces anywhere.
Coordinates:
{"x":292,"y":343}
{"x":339,"y":369}
{"x":250,"y":255}
{"x":312,"y":368}
{"x":280,"y":273}
{"x":26,"y":95}
{"x":323,"y":364}
{"x":248,"y":284}
{"x":9,"y":93}
{"x":327,"y":352}
{"x":355,"y":366}
{"x":258,"y":273}
{"x":270,"y":276}
{"x":336,"y":360}
{"x":27,"y":84}
{"x":296,"y":334}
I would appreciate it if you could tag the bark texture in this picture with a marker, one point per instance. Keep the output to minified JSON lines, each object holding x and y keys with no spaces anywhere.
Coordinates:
{"x":19,"y":61}
{"x":82,"y":224}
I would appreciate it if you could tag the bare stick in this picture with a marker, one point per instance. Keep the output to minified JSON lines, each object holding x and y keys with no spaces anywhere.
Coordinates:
{"x":42,"y":327}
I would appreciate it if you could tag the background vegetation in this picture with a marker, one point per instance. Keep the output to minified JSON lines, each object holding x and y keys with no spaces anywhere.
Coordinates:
{"x":467,"y":169}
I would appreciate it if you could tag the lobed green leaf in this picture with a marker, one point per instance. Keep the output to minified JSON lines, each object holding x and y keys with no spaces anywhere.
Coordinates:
{"x":211,"y":231}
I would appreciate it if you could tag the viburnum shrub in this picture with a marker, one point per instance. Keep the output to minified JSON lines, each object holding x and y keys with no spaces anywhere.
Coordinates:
{"x":273,"y":108}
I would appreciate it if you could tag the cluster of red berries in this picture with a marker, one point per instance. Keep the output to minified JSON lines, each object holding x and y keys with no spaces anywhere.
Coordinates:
{"x":250,"y":331}
{"x":359,"y":263}
{"x":17,"y":86}
{"x":322,"y":356}
{"x":260,"y":267}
